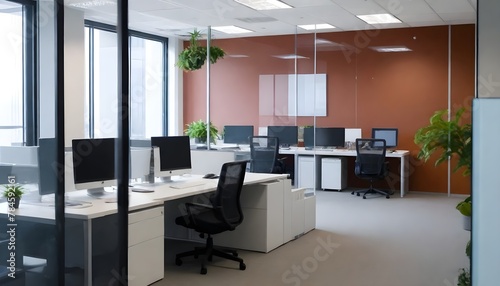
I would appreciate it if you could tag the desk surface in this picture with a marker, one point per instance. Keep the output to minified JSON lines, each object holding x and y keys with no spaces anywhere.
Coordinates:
{"x":336,"y":152}
{"x":137,"y":201}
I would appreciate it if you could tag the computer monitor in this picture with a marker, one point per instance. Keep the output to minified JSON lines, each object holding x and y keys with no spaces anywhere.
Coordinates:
{"x":330,"y":137}
{"x":389,"y":134}
{"x":94,"y":165}
{"x":140,"y":161}
{"x":287,"y":135}
{"x":47,"y":166}
{"x":238,"y":134}
{"x":174,"y":156}
{"x":309,"y":137}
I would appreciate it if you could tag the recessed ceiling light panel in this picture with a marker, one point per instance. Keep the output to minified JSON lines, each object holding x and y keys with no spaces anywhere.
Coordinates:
{"x":231,"y":30}
{"x":317,"y":26}
{"x":92,"y":3}
{"x":264,"y":4}
{"x":290,"y":57}
{"x":379,"y":19}
{"x":391,"y":49}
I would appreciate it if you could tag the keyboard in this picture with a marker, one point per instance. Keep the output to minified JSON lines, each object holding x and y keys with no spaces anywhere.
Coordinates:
{"x":187,"y":184}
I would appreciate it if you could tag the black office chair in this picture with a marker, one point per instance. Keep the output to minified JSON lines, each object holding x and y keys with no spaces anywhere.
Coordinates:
{"x":370,"y":164}
{"x":223,"y":215}
{"x":264,"y":152}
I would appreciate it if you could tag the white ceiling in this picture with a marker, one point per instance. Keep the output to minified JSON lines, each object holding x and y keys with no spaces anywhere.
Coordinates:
{"x":178,"y":17}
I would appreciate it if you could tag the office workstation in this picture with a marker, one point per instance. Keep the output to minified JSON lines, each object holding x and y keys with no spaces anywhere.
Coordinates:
{"x":327,"y":79}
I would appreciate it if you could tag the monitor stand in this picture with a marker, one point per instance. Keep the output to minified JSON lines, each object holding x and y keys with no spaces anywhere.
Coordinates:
{"x":100,"y":193}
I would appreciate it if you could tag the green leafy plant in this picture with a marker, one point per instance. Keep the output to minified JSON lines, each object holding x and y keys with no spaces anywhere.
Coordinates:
{"x":464,"y":278}
{"x":450,"y":137}
{"x":198,"y":129}
{"x":465,"y":207}
{"x":193,"y":57}
{"x":13,"y":191}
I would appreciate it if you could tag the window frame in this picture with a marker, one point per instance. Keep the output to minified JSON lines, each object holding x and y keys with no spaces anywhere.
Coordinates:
{"x":92,"y":25}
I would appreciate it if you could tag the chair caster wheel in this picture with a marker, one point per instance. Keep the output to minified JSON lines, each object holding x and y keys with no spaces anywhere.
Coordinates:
{"x":357,"y":194}
{"x":178,"y":262}
{"x":243,"y":266}
{"x":352,"y":193}
{"x":387,"y":197}
{"x":203,"y":271}
{"x":364,"y":197}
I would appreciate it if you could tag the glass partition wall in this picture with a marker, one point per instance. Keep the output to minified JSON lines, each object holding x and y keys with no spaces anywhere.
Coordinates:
{"x":359,"y":80}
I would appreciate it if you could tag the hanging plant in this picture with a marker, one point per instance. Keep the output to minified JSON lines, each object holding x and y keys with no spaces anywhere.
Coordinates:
{"x":193,"y":57}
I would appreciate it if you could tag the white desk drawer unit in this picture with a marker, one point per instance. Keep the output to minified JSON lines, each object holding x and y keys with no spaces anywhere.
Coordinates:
{"x":262,"y":205}
{"x":146,"y":246}
{"x":333,"y":173}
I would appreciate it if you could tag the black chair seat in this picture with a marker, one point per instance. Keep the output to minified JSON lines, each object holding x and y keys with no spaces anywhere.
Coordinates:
{"x":207,"y":222}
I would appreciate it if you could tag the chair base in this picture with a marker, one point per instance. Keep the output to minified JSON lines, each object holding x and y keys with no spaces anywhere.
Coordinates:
{"x":372,"y":190}
{"x":208,"y":252}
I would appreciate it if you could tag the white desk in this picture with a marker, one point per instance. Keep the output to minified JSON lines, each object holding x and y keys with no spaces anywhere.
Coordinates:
{"x":403,"y":156}
{"x":138,"y":202}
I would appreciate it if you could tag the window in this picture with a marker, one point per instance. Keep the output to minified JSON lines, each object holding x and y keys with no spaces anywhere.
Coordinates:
{"x":16,"y":76}
{"x":147,"y":83}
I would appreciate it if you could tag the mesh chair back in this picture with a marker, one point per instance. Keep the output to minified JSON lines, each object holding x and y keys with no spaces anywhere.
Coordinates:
{"x":370,"y":157}
{"x":264,"y":153}
{"x":227,"y":197}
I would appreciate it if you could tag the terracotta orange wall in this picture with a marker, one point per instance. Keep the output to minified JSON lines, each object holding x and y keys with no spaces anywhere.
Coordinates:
{"x":365,"y":88}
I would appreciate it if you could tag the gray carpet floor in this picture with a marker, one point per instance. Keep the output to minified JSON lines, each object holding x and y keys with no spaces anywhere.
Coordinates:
{"x":417,"y":240}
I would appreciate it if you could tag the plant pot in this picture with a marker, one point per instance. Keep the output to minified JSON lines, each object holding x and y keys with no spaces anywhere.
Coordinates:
{"x":16,"y":202}
{"x":466,"y":222}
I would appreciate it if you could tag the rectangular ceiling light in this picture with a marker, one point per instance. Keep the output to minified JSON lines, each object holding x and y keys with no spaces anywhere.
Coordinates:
{"x":379,"y":19}
{"x":92,"y":3}
{"x":231,"y":30}
{"x":317,"y":26}
{"x":290,"y":57}
{"x":264,"y":4}
{"x":391,"y":49}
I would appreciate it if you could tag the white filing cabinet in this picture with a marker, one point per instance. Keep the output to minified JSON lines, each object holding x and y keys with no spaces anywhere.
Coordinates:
{"x":145,"y":248}
{"x":303,"y":212}
{"x":308,"y":168}
{"x":333,"y":173}
{"x":263,"y":228}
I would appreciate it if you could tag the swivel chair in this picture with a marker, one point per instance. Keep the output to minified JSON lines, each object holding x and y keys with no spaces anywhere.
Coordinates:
{"x":370,"y":164}
{"x":224,"y":214}
{"x":264,"y":152}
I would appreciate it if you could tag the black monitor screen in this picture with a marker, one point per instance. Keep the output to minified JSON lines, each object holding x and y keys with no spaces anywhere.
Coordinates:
{"x":47,"y":166}
{"x":237,"y":134}
{"x":330,"y":137}
{"x":93,"y":160}
{"x":389,"y":134}
{"x":287,"y":135}
{"x":309,"y":137}
{"x":175,"y":152}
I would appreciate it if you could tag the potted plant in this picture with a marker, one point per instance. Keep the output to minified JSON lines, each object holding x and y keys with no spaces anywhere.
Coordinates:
{"x":198,"y":131}
{"x":193,"y":57}
{"x":13,"y":194}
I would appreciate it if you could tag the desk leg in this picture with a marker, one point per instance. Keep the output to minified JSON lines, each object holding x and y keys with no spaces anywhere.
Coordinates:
{"x":405,"y":175}
{"x":87,"y":248}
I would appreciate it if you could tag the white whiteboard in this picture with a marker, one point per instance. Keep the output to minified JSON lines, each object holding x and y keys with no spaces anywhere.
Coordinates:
{"x":307,"y":97}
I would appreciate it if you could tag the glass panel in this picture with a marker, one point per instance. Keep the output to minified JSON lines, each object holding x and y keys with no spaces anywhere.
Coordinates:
{"x":146,"y":80}
{"x":11,"y":74}
{"x":105,"y":87}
